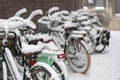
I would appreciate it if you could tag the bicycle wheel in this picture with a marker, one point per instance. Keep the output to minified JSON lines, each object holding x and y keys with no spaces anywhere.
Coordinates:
{"x":100,"y":48}
{"x":57,"y":68}
{"x":91,"y":44}
{"x":102,"y":43}
{"x":92,"y":47}
{"x":77,"y":56}
{"x":40,"y":73}
{"x":43,"y":73}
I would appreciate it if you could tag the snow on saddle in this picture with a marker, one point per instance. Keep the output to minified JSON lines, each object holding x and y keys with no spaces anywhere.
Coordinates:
{"x":33,"y":39}
{"x":31,"y":49}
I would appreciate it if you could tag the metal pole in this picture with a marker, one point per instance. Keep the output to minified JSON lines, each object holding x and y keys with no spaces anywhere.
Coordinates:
{"x":107,"y":5}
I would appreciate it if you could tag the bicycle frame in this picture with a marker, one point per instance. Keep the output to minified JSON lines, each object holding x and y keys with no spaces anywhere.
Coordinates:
{"x":87,"y":39}
{"x":9,"y":60}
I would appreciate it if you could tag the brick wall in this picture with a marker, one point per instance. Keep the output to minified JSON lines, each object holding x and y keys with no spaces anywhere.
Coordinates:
{"x":10,"y":7}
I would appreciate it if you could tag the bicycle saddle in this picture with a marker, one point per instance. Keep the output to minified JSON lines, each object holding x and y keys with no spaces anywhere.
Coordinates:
{"x":70,"y":26}
{"x":31,"y":49}
{"x":38,"y":37}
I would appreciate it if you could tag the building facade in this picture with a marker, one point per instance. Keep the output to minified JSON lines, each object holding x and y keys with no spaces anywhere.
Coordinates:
{"x":9,"y":7}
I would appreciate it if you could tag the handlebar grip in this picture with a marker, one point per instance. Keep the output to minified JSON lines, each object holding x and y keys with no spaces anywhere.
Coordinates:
{"x":44,"y":20}
{"x":22,"y":22}
{"x":53,"y":9}
{"x":34,"y":13}
{"x":64,"y":12}
{"x":56,"y":14}
{"x":20,"y":12}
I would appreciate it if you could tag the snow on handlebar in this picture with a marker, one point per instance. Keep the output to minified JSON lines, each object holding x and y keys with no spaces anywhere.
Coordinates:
{"x":20,"y":12}
{"x":51,"y":10}
{"x":56,"y":14}
{"x":22,"y":22}
{"x":15,"y":23}
{"x":28,"y":22}
{"x":34,"y":13}
{"x":44,"y":20}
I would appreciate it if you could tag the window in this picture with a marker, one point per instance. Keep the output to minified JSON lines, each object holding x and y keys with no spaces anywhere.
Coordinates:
{"x":90,"y":1}
{"x":117,"y":7}
{"x":100,"y":4}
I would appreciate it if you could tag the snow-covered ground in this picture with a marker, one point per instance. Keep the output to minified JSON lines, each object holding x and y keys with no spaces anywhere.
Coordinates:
{"x":104,"y":66}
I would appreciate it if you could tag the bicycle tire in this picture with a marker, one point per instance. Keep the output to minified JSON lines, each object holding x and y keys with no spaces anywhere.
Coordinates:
{"x":101,"y":50}
{"x":43,"y":73}
{"x":39,"y":72}
{"x":82,"y":69}
{"x":93,"y":49}
{"x":104,"y":46}
{"x":93,"y":45}
{"x":57,"y":68}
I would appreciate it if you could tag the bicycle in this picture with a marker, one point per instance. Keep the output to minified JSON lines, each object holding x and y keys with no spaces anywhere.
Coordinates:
{"x":9,"y":64}
{"x":90,"y":22}
{"x":83,"y":29}
{"x":50,"y":56}
{"x":69,"y":40}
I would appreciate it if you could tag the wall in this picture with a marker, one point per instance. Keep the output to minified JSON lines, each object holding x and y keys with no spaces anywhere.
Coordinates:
{"x":10,"y":7}
{"x":115,"y":21}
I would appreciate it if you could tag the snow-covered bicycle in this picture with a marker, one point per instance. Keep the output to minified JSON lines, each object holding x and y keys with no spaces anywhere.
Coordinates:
{"x":76,"y":54}
{"x":88,"y":40}
{"x":89,"y":22}
{"x":12,"y":70}
{"x":50,"y":53}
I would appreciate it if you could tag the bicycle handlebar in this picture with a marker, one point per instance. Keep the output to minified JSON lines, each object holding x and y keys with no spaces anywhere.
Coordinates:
{"x":60,"y":13}
{"x":34,"y":13}
{"x":51,"y":10}
{"x":55,"y":15}
{"x":15,"y":22}
{"x":28,"y":20}
{"x":22,"y":11}
{"x":44,"y":20}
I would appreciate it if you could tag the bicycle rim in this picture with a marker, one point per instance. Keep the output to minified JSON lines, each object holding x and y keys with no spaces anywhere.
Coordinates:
{"x":77,"y":56}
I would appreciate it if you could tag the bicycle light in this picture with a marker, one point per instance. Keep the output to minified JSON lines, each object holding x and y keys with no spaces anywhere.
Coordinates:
{"x":32,"y":62}
{"x":61,"y":56}
{"x":84,"y":34}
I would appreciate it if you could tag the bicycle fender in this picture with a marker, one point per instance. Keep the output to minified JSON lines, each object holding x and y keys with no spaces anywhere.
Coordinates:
{"x":46,"y":59}
{"x":84,"y":44}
